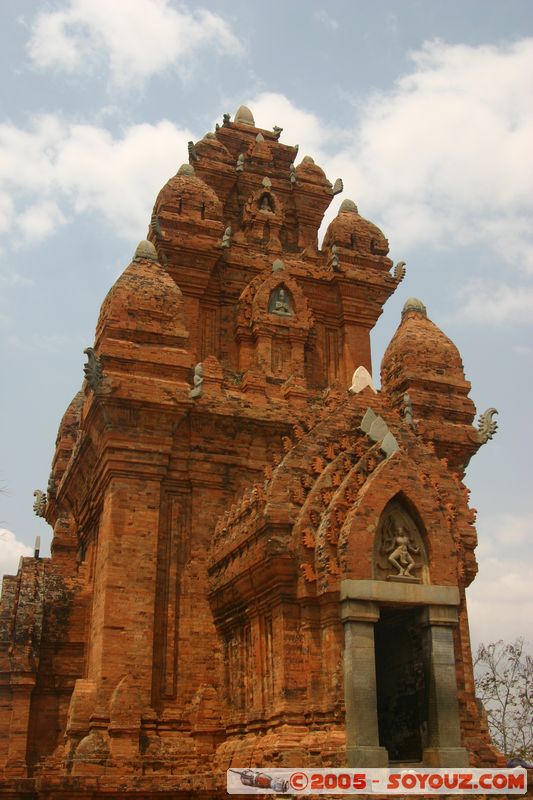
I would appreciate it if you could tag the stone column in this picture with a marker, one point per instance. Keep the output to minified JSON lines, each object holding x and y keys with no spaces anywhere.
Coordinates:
{"x":362,"y":736}
{"x":444,"y":734}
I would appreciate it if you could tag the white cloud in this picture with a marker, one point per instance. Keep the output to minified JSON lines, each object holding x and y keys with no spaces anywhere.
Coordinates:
{"x":500,"y":600}
{"x":10,"y":552}
{"x":299,"y":126}
{"x":449,"y":147}
{"x":39,"y":220}
{"x":497,"y":304}
{"x":325,"y":19}
{"x":137,"y":38}
{"x":441,"y":159}
{"x":54,"y":169}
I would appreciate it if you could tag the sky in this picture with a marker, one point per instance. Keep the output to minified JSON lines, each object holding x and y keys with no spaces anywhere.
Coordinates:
{"x":423,"y":107}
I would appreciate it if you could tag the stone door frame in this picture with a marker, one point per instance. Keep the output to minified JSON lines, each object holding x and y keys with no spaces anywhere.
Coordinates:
{"x":360,"y":603}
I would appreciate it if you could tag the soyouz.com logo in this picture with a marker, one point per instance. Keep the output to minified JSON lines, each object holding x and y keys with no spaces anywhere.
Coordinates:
{"x":377,"y":781}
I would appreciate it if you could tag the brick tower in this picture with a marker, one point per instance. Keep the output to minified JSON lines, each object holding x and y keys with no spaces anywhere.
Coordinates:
{"x":257,"y":559}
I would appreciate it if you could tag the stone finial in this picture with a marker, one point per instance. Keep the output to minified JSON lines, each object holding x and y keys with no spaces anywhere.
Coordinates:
{"x":93,"y":369}
{"x":487,"y":427}
{"x":244,"y":116}
{"x":348,"y":206}
{"x":278,"y":265}
{"x":338,"y":187}
{"x":145,"y":250}
{"x":277,"y":131}
{"x":414,"y":304}
{"x":210,"y":135}
{"x":37,"y":547}
{"x":39,"y":505}
{"x":226,"y":239}
{"x":307,"y":159}
{"x":198,"y":381}
{"x":185,"y":169}
{"x":226,"y":119}
{"x":240,"y":163}
{"x":399,"y":271}
{"x":259,"y":138}
{"x":192,"y":151}
{"x":360,"y":380}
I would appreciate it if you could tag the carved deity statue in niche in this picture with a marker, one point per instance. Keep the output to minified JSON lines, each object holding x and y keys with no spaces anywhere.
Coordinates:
{"x":266,"y":204}
{"x":280,"y":303}
{"x":397,"y":547}
{"x":401,"y":557}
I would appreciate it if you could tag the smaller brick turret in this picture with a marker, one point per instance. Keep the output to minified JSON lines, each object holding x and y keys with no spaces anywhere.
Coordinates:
{"x":422,"y":367}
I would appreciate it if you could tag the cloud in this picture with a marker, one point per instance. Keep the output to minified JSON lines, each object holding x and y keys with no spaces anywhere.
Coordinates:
{"x":441,"y":159}
{"x":10,"y":552}
{"x":39,"y":220}
{"x":325,"y":19}
{"x":497,"y":304}
{"x":53,"y":170}
{"x":500,"y":600}
{"x":137,"y":39}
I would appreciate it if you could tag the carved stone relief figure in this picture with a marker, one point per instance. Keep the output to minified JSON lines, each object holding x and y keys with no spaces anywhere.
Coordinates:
{"x":266,"y":204}
{"x":401,"y":557}
{"x":280,"y":303}
{"x":399,"y":553}
{"x":198,"y":381}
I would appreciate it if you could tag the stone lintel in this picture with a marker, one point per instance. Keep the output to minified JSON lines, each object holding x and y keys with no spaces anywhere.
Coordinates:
{"x":406,"y":593}
{"x":359,"y":611}
{"x":439,"y":615}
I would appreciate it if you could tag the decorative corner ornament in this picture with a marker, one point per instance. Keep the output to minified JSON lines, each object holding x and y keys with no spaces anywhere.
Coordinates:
{"x":93,"y":369}
{"x":334,"y":259}
{"x":486,"y":427}
{"x":407,"y":410}
{"x":292,"y":173}
{"x":198,"y":381}
{"x":338,"y":187}
{"x":192,"y":151}
{"x":39,"y":505}
{"x":226,"y":239}
{"x":399,"y":271}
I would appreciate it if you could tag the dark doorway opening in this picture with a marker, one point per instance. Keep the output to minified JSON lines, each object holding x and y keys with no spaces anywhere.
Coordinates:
{"x":401,"y":684}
